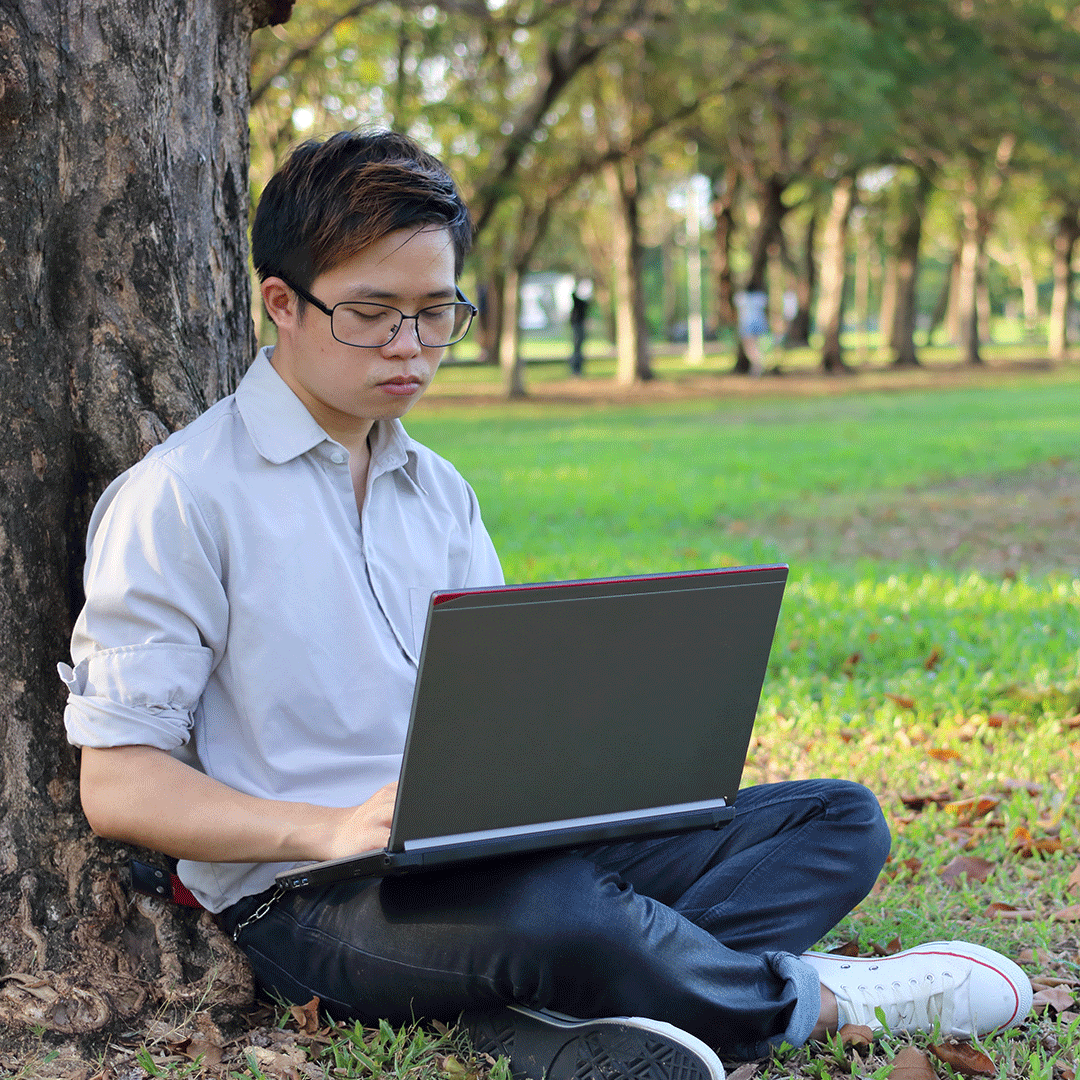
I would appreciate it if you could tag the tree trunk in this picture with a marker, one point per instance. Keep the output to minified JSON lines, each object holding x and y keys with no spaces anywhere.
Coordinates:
{"x":490,"y":301}
{"x":772,"y":210}
{"x":908,"y":243}
{"x":797,"y":333}
{"x":509,"y":337}
{"x":633,"y":363}
{"x":723,"y":231}
{"x":1068,"y":232}
{"x":890,"y":290}
{"x":967,"y":309}
{"x":830,"y":314}
{"x":1029,"y":291}
{"x":125,"y":312}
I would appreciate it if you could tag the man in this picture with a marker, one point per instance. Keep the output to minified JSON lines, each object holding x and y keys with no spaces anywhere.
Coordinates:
{"x":256,"y":588}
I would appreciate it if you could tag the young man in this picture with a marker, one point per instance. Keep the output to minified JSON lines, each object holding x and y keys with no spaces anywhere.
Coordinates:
{"x":243,"y":668}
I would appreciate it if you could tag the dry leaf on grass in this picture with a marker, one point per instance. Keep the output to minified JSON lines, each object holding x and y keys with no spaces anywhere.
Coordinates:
{"x":856,"y":1035}
{"x":973,"y":867}
{"x":943,"y":753}
{"x":306,"y":1016}
{"x":1026,"y":845}
{"x":1057,"y":998}
{"x":1010,"y":913}
{"x":964,"y":1058}
{"x":1073,"y":884}
{"x":912,"y":1064}
{"x":905,"y":701}
{"x":210,"y":1052}
{"x":967,"y":810}
{"x":1068,"y":914}
{"x":744,"y":1072}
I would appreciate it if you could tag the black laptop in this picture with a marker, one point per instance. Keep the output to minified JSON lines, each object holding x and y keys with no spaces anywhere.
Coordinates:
{"x":563,"y":713}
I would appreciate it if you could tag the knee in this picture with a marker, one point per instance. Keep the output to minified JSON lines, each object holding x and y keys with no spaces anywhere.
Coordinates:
{"x":856,"y":810}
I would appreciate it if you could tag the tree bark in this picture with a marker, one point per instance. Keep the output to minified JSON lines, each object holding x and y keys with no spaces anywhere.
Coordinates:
{"x":909,"y":241}
{"x":797,"y":333}
{"x":771,"y":208}
{"x":510,"y":337}
{"x":125,"y":312}
{"x":1065,"y":238}
{"x":633,"y":363}
{"x":967,"y":284}
{"x":833,"y":268}
{"x":723,"y":205}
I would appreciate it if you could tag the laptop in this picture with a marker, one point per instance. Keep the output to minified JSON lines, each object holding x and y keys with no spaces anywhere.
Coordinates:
{"x":564,"y":713}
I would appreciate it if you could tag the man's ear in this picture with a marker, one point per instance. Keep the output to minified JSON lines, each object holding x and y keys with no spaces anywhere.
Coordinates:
{"x":280,"y":301}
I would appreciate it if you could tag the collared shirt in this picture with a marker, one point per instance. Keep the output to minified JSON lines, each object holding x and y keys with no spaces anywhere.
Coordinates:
{"x":243,"y":615}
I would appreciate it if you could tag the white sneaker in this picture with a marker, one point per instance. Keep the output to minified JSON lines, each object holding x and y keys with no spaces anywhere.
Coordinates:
{"x":968,"y":989}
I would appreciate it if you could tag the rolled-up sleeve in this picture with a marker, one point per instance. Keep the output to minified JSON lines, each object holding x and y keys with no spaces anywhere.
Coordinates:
{"x":155,"y":619}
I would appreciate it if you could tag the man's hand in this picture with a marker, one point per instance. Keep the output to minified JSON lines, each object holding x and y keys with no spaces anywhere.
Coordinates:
{"x":365,"y":827}
{"x":143,"y":795}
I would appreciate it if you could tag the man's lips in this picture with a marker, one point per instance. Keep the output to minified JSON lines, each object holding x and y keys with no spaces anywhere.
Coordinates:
{"x":402,"y":384}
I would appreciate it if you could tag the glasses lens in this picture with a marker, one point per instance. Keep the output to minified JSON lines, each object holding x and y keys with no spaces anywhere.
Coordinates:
{"x":443,"y":325}
{"x":371,"y":326}
{"x":368,"y":325}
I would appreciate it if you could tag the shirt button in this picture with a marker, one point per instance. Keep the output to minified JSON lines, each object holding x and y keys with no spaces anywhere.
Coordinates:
{"x":337,"y":457}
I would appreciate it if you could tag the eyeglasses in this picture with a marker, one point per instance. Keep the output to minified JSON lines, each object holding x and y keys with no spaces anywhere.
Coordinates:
{"x":373,"y":326}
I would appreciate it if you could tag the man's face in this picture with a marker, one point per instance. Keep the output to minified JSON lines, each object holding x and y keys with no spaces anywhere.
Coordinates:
{"x":346,"y":388}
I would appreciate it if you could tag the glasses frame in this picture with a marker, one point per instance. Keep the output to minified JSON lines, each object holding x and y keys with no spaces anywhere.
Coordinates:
{"x":316,"y":302}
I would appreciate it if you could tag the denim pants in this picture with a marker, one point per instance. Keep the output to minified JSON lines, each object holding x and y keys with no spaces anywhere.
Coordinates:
{"x":701,"y":929}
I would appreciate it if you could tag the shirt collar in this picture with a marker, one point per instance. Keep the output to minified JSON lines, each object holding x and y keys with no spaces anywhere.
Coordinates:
{"x":281,"y":428}
{"x":277,"y":421}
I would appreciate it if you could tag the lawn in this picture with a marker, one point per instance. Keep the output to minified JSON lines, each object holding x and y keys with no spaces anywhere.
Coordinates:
{"x":929,"y":645}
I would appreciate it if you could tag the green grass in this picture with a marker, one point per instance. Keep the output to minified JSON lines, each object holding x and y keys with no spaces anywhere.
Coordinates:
{"x":983,"y":670}
{"x":931,"y":680}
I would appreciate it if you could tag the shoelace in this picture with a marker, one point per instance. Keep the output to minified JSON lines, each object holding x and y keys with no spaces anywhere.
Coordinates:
{"x":911,"y":1005}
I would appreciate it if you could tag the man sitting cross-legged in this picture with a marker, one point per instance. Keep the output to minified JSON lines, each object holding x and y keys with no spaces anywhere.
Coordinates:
{"x":243,"y":670}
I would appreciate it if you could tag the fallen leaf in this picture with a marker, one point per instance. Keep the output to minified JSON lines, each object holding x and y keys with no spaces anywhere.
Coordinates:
{"x":943,"y":753}
{"x":306,"y":1016}
{"x":919,"y":802}
{"x":1022,"y":785}
{"x":855,"y":1035}
{"x":905,"y":701}
{"x":1011,"y":913}
{"x":964,"y":1058}
{"x":1073,"y":721}
{"x":1068,"y":914}
{"x":849,"y":948}
{"x":1073,"y":884}
{"x":997,"y":719}
{"x":933,"y":659}
{"x":210,"y":1052}
{"x":1041,"y":982}
{"x":912,"y":1064}
{"x":973,"y":867}
{"x":1057,"y":998}
{"x":969,"y":809}
{"x":744,"y":1072}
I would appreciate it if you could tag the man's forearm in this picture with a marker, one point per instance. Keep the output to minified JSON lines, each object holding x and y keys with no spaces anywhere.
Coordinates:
{"x":143,"y":795}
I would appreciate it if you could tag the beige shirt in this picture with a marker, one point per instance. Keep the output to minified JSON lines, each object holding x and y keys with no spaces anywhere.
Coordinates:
{"x":243,"y":615}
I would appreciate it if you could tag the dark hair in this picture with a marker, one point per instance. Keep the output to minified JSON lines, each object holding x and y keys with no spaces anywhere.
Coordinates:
{"x":333,"y":198}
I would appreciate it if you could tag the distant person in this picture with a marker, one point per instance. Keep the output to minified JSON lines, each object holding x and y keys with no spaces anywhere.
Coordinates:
{"x":243,"y":669}
{"x":579,"y":314}
{"x":751,"y":306}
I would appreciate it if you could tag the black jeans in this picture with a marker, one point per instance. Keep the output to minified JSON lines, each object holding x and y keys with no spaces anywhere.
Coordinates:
{"x":701,"y":929}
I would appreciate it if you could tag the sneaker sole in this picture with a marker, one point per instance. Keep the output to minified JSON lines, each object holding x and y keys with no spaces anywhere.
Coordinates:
{"x":548,"y":1047}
